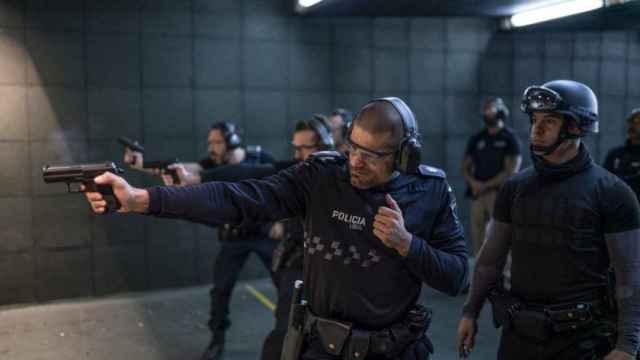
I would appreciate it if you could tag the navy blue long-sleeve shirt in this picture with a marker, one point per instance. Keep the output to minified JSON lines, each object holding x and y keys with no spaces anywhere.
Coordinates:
{"x":350,"y":275}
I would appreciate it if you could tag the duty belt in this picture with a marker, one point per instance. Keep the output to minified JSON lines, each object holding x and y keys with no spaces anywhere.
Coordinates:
{"x":540,"y":321}
{"x":343,"y":339}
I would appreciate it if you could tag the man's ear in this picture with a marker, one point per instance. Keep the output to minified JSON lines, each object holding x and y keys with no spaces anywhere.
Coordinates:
{"x":573,"y":127}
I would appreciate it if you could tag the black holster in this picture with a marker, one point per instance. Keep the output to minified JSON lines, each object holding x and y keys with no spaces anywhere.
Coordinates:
{"x":296,"y":331}
{"x":503,"y":306}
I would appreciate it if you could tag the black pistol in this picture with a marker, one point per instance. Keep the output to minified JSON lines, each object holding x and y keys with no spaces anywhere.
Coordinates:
{"x":134,"y":145}
{"x":164,"y":166}
{"x":84,"y":174}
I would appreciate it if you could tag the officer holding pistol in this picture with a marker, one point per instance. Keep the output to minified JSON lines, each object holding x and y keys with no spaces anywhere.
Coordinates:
{"x":378,"y":225}
{"x":624,"y":161}
{"x":309,"y":136}
{"x":571,"y":227}
{"x":236,"y":242}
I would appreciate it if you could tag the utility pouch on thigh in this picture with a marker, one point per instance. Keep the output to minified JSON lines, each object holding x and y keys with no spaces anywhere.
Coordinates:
{"x":358,"y":346}
{"x":531,"y":324}
{"x":333,"y":335}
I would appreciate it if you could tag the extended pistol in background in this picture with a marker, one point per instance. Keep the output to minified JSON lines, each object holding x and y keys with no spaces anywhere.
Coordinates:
{"x":164,"y":166}
{"x":133,"y":145}
{"x":84,"y":174}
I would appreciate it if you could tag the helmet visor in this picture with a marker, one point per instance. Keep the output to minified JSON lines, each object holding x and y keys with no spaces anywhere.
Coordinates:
{"x":539,"y":98}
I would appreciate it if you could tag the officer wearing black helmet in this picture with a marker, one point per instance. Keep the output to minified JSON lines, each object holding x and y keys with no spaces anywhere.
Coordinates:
{"x":567,"y":222}
{"x":491,"y":156}
{"x":624,"y":161}
{"x":378,"y":225}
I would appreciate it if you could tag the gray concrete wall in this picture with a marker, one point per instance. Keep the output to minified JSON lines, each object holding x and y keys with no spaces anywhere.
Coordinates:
{"x":74,"y":75}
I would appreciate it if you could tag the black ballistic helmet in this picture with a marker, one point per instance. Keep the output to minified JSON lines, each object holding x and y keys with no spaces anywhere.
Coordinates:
{"x":567,"y":97}
{"x":498,"y":107}
{"x":574,"y":100}
{"x":634,"y":116}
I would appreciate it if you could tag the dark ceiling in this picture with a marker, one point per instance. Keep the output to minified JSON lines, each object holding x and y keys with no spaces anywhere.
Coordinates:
{"x":625,"y":16}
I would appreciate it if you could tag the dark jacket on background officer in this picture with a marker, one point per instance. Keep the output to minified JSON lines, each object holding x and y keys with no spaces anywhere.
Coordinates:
{"x":624,"y":161}
{"x":236,"y":242}
{"x":309,"y":137}
{"x":377,"y":225}
{"x":491,"y":156}
{"x":567,"y":222}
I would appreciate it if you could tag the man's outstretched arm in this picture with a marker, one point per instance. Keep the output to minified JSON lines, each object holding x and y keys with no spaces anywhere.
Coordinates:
{"x":280,"y":196}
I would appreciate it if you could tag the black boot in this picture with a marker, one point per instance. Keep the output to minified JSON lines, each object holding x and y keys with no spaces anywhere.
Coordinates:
{"x":215,"y":349}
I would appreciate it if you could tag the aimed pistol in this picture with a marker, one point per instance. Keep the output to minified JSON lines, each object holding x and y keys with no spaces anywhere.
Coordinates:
{"x":134,"y":145}
{"x":84,"y":174}
{"x":164,"y":166}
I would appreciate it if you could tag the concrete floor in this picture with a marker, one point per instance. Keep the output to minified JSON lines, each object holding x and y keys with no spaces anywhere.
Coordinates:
{"x":171,"y":325}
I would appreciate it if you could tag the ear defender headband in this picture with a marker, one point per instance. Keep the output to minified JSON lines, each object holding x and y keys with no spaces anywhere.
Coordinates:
{"x":231,"y":137}
{"x":407,"y":155}
{"x":318,"y":122}
{"x":347,"y":118}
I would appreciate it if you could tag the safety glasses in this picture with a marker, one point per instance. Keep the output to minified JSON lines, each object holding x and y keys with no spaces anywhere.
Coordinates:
{"x":368,"y":155}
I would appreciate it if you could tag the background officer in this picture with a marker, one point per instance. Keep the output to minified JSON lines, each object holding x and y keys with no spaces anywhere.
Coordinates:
{"x":340,"y":120}
{"x":310,"y":136}
{"x":624,"y":161}
{"x":236,"y":242}
{"x":491,"y":156}
{"x":566,"y":221}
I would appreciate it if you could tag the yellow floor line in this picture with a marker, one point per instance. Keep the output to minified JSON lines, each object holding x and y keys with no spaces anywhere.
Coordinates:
{"x":261,"y":297}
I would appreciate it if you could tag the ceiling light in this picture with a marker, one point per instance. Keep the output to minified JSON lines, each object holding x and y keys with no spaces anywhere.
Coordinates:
{"x":308,"y":3}
{"x":554,"y":11}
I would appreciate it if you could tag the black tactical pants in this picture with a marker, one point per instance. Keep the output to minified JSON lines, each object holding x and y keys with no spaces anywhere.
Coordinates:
{"x":284,"y":279}
{"x":227,"y":266}
{"x":587,"y":344}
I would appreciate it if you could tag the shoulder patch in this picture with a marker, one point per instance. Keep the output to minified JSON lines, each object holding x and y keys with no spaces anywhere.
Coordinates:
{"x":333,"y":157}
{"x":430,"y":171}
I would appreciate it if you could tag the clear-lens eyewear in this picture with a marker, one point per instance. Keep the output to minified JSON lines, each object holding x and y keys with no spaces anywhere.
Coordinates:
{"x":367,"y":155}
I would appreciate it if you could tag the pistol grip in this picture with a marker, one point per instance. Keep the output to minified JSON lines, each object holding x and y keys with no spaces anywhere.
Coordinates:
{"x":174,"y":176}
{"x":113,"y":204}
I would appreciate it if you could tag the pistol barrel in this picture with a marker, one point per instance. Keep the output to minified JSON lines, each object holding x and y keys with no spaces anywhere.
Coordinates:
{"x":77,"y":173}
